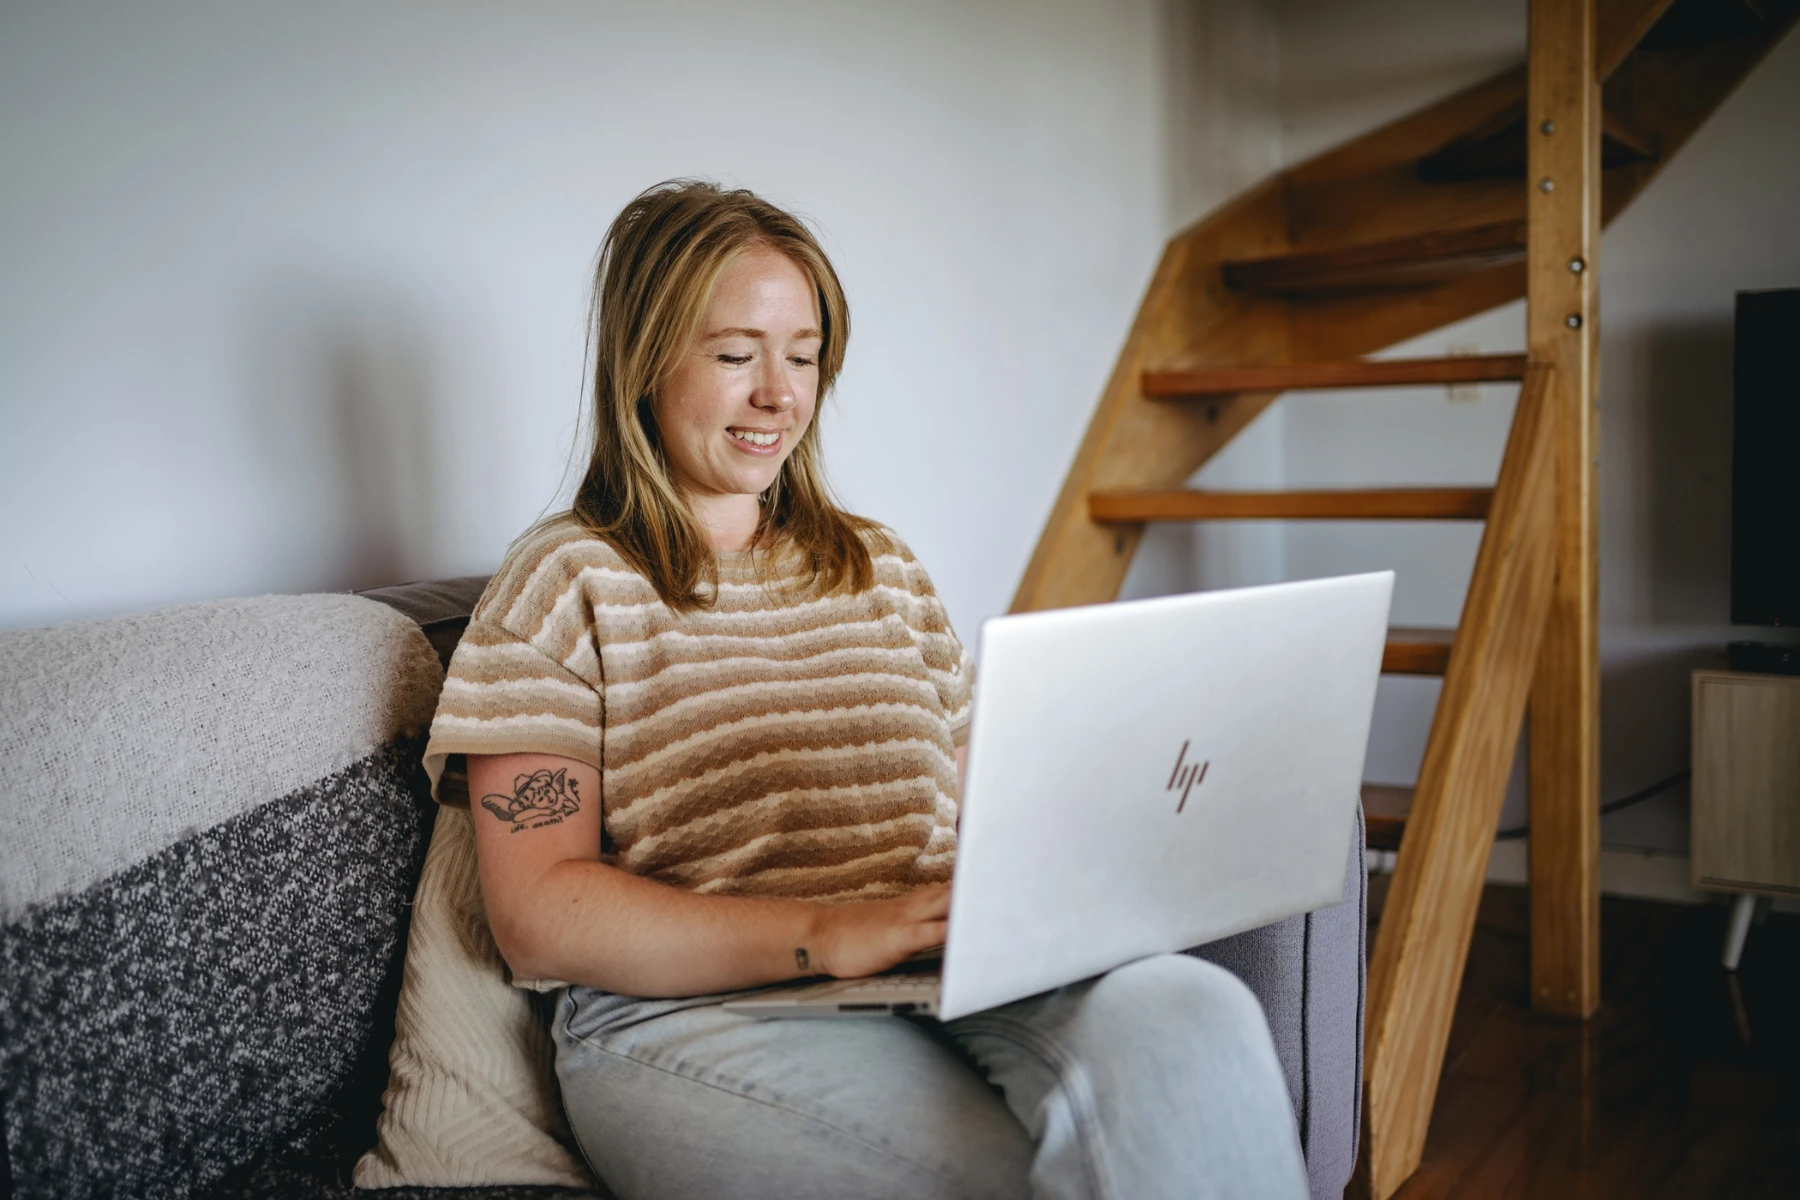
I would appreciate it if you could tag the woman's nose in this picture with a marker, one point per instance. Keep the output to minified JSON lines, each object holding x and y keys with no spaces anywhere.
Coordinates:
{"x":774,"y":390}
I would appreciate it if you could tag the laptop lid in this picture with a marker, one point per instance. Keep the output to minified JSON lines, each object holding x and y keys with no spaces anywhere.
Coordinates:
{"x":1150,"y":775}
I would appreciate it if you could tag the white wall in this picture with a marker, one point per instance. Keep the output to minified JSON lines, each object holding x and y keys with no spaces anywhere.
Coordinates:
{"x":1347,"y":68}
{"x":291,"y":297}
{"x":1721,"y":219}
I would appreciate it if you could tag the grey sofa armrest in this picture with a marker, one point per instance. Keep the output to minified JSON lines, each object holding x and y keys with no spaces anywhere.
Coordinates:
{"x":1310,"y":972}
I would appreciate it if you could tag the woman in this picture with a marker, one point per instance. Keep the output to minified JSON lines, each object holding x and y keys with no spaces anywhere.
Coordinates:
{"x":716,"y":730}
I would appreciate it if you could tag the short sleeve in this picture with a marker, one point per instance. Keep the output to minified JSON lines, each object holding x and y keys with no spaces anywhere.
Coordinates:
{"x":956,"y":689}
{"x":948,"y":663}
{"x":503,"y":694}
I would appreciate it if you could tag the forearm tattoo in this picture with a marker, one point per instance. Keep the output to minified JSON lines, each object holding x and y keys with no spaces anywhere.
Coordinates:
{"x":539,"y":799}
{"x":802,"y":959}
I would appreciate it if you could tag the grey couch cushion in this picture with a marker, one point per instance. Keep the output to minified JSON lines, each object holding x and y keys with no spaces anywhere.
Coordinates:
{"x":186,"y":1014}
{"x":1308,"y":971}
{"x":441,"y":607}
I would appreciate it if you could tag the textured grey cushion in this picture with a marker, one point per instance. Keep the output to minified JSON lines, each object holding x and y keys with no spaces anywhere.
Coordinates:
{"x":1309,"y":973}
{"x":217,"y":821}
{"x":169,"y":1024}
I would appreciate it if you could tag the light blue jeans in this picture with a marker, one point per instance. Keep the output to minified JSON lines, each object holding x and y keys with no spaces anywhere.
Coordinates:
{"x":1158,"y":1079}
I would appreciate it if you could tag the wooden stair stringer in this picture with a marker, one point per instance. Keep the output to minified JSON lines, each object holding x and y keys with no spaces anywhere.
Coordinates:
{"x":1667,"y":94}
{"x":1429,"y":915}
{"x":1405,"y":140}
{"x":1367,"y":190}
{"x":1131,"y":441}
{"x":1619,"y":26}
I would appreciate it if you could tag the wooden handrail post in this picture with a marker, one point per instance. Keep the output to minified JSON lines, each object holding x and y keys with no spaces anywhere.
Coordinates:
{"x":1562,"y":283}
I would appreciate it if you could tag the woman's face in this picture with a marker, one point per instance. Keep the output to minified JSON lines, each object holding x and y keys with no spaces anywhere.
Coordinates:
{"x":736,"y":406}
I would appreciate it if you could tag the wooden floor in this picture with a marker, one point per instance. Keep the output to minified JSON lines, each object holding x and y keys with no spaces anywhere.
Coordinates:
{"x":1685,"y":1084}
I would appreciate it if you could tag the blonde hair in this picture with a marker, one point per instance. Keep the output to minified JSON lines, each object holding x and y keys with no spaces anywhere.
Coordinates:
{"x":657,"y":269}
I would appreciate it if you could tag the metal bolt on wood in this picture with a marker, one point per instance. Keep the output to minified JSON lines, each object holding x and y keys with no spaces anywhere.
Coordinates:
{"x":1577,"y":265}
{"x":1573,"y":320}
{"x":1546,"y":185}
{"x":1547,"y":128}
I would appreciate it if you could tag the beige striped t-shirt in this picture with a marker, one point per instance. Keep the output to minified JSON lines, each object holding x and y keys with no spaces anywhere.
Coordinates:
{"x":774,"y":744}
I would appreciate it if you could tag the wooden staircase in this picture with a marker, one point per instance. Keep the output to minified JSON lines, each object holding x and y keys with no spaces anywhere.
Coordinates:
{"x":1434,"y":218}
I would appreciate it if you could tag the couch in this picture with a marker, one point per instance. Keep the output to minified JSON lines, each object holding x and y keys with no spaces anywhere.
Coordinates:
{"x":216,"y":821}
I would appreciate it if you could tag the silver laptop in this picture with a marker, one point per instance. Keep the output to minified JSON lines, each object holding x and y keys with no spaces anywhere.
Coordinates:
{"x":1143,"y":777}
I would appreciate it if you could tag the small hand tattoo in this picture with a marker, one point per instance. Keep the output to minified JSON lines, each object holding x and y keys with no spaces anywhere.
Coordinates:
{"x":538,"y":799}
{"x":802,"y":959}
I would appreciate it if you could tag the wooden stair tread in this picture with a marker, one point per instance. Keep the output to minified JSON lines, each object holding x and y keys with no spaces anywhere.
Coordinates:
{"x":1384,"y":814}
{"x":1384,"y":372}
{"x":1368,"y":504}
{"x":1419,"y":261}
{"x":1414,"y":651}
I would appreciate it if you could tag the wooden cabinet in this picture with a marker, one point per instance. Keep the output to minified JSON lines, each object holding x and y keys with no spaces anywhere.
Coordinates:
{"x":1746,"y":810}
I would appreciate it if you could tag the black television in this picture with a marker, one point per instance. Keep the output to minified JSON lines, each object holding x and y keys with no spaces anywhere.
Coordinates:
{"x":1765,"y":474}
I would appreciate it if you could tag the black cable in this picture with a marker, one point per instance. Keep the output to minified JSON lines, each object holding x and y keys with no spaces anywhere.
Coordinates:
{"x":1637,"y":797}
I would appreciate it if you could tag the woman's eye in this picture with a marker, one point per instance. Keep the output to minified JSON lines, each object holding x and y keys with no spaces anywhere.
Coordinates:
{"x":736,"y":360}
{"x":800,"y":360}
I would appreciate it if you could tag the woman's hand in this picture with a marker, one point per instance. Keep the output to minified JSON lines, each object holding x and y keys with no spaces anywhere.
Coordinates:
{"x":853,"y":940}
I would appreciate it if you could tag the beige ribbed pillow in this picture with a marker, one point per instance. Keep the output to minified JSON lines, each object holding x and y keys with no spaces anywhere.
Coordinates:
{"x":471,"y":1096}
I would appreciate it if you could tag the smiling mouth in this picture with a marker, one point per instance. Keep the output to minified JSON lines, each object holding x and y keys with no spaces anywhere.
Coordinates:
{"x":754,"y":438}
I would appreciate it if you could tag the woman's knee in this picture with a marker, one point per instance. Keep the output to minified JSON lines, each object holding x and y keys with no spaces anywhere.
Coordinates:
{"x":1179,"y":987}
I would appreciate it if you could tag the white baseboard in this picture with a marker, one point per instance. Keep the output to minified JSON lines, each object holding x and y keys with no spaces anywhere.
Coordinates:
{"x":1642,"y":874}
{"x":1624,"y":871}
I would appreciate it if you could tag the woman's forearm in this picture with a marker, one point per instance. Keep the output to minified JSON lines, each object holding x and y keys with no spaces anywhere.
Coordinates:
{"x":596,"y":925}
{"x":556,"y":912}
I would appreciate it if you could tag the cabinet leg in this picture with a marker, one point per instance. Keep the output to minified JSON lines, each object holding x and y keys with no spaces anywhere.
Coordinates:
{"x":1742,"y":910}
